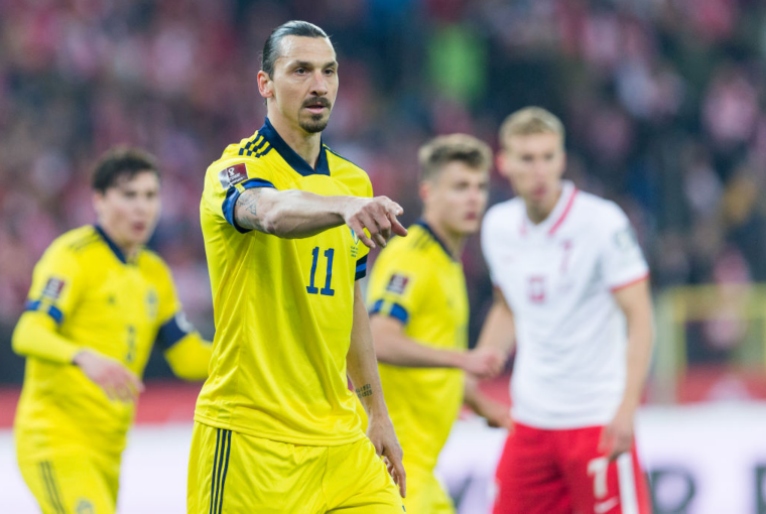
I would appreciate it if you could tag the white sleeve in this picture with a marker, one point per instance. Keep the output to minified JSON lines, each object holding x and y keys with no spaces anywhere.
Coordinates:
{"x":622,"y":261}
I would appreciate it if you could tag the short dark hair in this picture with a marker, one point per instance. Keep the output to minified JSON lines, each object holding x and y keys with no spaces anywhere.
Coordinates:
{"x":442,"y":150}
{"x":119,"y":163}
{"x":291,"y":28}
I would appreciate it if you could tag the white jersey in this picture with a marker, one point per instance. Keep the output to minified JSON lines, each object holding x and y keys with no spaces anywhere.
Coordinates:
{"x":558,"y":278}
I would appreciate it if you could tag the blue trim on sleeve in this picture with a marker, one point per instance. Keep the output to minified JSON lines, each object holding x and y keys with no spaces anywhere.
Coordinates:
{"x":400,"y":313}
{"x":52,"y":311}
{"x":397,"y":311}
{"x":361,"y":268}
{"x":232,"y":195}
{"x":170,"y":333}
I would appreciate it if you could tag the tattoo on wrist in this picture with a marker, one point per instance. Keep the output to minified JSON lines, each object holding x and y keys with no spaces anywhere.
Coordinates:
{"x":365,"y":390}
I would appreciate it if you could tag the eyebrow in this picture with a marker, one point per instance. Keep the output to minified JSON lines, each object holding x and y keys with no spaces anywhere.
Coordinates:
{"x":308,"y":64}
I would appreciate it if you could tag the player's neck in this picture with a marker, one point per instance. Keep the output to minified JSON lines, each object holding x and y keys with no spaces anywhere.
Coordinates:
{"x":537,"y":213}
{"x":303,"y":143}
{"x":453,"y":241}
{"x":129,"y":251}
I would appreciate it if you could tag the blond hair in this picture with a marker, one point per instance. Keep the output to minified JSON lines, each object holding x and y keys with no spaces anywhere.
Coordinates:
{"x":530,"y":120}
{"x":442,"y":150}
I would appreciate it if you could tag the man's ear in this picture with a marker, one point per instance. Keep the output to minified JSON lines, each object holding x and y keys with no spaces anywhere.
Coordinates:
{"x":265,"y":85}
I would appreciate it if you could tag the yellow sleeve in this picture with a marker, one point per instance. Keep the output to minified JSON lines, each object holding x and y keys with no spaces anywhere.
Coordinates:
{"x":397,"y":285}
{"x":228,"y":179}
{"x":189,"y":357}
{"x":186,"y":352}
{"x":57,"y":282}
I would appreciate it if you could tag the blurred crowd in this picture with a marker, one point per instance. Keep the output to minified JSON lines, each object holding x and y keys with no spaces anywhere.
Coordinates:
{"x":661,"y":98}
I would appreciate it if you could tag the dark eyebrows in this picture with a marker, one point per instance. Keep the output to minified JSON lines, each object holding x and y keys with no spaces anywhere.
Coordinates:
{"x":310,"y":65}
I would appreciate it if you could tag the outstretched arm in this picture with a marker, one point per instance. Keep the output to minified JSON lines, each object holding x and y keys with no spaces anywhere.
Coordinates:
{"x":363,"y":371}
{"x":297,"y":214}
{"x":393,"y":346}
{"x":189,"y":358}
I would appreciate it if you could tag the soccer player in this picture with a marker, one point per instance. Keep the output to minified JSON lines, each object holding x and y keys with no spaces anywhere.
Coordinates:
{"x":571,"y":278}
{"x":419,"y":316}
{"x":276,"y":428}
{"x":98,"y":303}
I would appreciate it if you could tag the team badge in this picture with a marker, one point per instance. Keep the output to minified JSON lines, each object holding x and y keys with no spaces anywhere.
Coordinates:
{"x":53,"y":288}
{"x":233,"y":175}
{"x":397,"y":284}
{"x":85,"y":506}
{"x":152,"y":303}
{"x":355,"y":244}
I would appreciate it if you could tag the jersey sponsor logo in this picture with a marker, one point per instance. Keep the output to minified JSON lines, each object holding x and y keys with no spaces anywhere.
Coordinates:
{"x":397,"y":284}
{"x":233,"y":175}
{"x":53,"y":288}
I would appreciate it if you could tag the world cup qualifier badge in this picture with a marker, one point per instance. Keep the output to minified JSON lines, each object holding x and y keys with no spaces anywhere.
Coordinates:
{"x":233,"y":175}
{"x":53,"y":288}
{"x":397,"y":284}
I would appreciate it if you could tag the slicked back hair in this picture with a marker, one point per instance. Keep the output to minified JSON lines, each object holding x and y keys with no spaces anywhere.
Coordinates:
{"x":442,"y":150}
{"x":271,"y":48}
{"x":121,"y":163}
{"x":530,"y":120}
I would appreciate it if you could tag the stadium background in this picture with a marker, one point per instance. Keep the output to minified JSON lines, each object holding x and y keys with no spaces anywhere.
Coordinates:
{"x":663,"y":102}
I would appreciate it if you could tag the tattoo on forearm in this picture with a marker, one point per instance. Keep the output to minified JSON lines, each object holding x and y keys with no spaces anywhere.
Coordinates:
{"x":365,"y":390}
{"x":245,"y":211}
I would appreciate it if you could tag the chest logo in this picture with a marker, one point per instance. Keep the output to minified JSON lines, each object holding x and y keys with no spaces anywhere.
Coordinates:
{"x":152,"y":303}
{"x":233,"y":175}
{"x":536,"y":289}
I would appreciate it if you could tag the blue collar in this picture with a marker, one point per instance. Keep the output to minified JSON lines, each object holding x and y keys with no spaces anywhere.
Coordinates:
{"x":295,"y":161}
{"x":436,"y":238}
{"x":112,"y":245}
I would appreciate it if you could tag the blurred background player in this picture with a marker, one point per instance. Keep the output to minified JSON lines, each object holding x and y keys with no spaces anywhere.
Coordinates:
{"x":419,"y":316}
{"x":571,"y":282}
{"x":98,"y":303}
{"x":276,"y":428}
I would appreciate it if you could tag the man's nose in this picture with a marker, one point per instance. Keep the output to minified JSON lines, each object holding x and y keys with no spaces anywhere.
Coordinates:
{"x":319,"y":84}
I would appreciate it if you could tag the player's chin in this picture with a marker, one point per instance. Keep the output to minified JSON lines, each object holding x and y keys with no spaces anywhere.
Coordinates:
{"x":470,"y":225}
{"x":315,"y":123}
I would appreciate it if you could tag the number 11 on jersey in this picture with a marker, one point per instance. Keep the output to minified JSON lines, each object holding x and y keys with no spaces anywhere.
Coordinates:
{"x":326,"y":290}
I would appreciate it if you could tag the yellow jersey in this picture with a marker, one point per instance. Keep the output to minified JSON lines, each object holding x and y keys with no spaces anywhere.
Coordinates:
{"x":416,"y":281}
{"x":85,"y":294}
{"x":283,"y":307}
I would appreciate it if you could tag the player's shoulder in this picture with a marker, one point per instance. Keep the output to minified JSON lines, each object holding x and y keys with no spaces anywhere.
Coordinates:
{"x":150,"y":262}
{"x":348,"y":172}
{"x":76,"y":241}
{"x":596,"y":211}
{"x":240,"y":160}
{"x":413,"y":249}
{"x":503,"y":215}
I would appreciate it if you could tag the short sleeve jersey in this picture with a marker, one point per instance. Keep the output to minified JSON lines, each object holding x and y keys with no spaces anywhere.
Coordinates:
{"x":417,"y":281}
{"x":283,"y":307}
{"x":86,"y":290}
{"x":558,"y":278}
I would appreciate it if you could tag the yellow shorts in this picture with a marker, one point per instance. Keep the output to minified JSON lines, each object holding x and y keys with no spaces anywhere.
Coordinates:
{"x":72,"y":482}
{"x":425,"y":494}
{"x":231,"y":472}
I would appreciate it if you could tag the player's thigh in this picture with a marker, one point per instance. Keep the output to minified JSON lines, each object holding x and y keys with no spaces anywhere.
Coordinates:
{"x":64,"y":484}
{"x":425,"y":494}
{"x":231,"y":472}
{"x":357,"y":481}
{"x":603,"y":486}
{"x":528,"y":478}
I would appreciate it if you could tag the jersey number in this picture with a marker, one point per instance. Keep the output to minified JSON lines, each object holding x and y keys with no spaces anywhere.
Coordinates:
{"x":131,"y":355}
{"x":326,"y":290}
